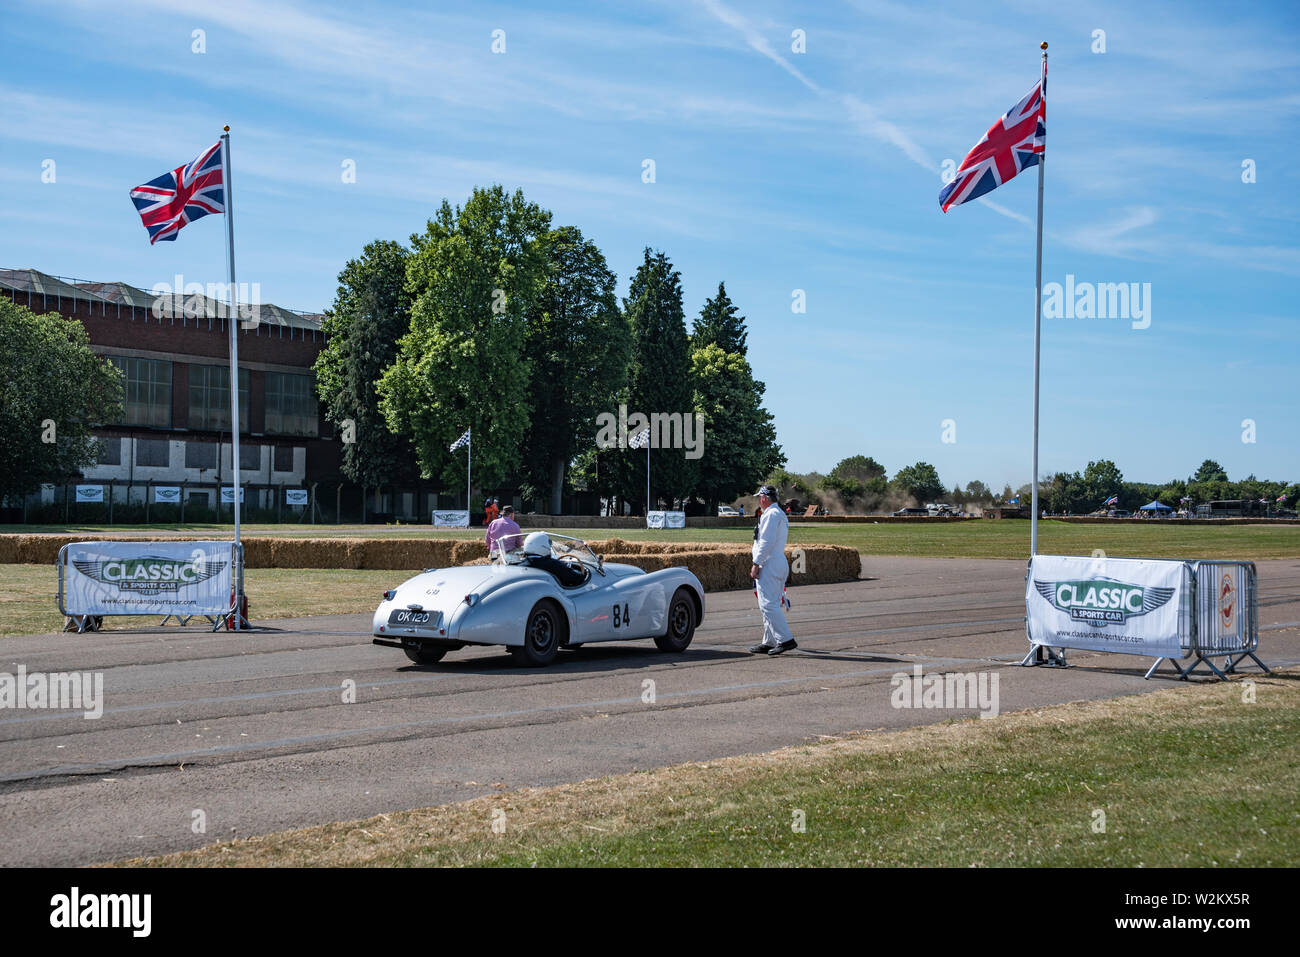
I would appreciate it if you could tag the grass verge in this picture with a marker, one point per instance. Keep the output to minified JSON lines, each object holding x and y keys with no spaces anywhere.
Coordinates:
{"x":28,"y":606}
{"x":1008,"y":538}
{"x":1188,"y":776}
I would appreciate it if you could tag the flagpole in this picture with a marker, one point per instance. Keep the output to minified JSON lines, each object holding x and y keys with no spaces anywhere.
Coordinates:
{"x":469,"y":472}
{"x":231,"y":316}
{"x":1038,"y":321}
{"x":647,"y":476}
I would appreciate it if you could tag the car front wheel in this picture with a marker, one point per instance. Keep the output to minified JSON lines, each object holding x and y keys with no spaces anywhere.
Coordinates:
{"x":681,"y":623}
{"x":541,"y":637}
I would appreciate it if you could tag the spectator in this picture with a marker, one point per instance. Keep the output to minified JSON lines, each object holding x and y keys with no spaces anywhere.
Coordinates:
{"x":503,"y":534}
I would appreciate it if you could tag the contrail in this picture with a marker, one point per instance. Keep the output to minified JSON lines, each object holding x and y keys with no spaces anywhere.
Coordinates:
{"x":863,"y":115}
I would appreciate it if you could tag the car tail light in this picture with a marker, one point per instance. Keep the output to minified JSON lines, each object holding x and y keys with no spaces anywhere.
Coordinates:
{"x":389,"y":595}
{"x":471,"y":599}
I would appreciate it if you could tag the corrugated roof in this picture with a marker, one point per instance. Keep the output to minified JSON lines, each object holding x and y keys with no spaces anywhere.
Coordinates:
{"x":35,"y":283}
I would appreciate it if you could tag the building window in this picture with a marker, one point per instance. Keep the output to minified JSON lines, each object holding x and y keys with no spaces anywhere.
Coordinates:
{"x":110,"y":452}
{"x":147,"y":391}
{"x":152,"y":452}
{"x":283,"y":458}
{"x":210,"y":398}
{"x":200,"y":455}
{"x":291,"y":404}
{"x":250,"y":457}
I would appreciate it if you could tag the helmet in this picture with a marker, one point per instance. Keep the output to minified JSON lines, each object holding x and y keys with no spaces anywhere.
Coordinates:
{"x":538,"y":543}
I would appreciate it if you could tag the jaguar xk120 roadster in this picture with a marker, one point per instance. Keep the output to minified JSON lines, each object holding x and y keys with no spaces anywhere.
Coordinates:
{"x":553,"y":593}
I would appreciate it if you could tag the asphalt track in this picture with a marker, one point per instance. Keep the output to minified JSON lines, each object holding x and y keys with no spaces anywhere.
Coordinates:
{"x":253,"y":731}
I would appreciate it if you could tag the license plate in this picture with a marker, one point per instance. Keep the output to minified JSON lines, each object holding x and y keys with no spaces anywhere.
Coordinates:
{"x":408,"y":616}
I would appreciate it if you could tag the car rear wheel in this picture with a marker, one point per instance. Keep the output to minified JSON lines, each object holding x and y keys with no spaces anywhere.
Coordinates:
{"x":425,"y":656}
{"x":541,"y":637}
{"x":681,"y":623}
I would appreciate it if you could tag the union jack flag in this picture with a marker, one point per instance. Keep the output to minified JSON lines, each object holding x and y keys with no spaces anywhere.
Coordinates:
{"x":174,"y":200}
{"x":1113,"y":500}
{"x":1012,"y":145}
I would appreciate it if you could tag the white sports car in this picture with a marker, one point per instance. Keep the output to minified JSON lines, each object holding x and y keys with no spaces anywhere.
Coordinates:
{"x":554,"y":593}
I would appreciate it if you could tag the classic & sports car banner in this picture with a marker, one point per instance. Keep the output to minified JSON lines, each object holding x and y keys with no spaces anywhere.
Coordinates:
{"x":90,"y":493}
{"x":665,"y":520}
{"x":1128,"y":605}
{"x":451,"y":519}
{"x":147,"y":578}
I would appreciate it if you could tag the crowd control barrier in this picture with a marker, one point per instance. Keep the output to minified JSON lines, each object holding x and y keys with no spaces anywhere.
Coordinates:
{"x":1175,"y":611}
{"x":181,"y":579}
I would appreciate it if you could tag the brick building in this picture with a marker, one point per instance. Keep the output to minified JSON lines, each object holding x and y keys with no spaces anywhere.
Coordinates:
{"x":174,"y":353}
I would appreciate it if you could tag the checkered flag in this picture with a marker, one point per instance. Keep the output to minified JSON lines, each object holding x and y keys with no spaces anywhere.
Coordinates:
{"x":463,"y":440}
{"x":641,"y":440}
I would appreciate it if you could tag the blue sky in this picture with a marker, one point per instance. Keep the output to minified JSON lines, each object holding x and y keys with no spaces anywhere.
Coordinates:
{"x":774,"y":171}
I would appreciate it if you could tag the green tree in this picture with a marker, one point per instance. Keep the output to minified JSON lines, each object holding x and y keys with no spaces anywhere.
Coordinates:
{"x":474,"y":275}
{"x":53,"y":389}
{"x":1210,"y":471}
{"x":659,"y":378}
{"x":371,"y":312}
{"x":861,"y":467}
{"x":977,"y":491}
{"x":720,"y":324}
{"x":859,"y":481}
{"x":919,"y":481}
{"x":580,"y":345}
{"x":740,"y":439}
{"x":1101,"y":480}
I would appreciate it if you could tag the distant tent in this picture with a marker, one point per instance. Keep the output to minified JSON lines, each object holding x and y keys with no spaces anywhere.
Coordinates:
{"x":1155,"y":507}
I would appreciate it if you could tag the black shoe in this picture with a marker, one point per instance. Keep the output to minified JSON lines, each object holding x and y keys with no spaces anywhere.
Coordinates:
{"x":784,"y":647}
{"x":760,"y":649}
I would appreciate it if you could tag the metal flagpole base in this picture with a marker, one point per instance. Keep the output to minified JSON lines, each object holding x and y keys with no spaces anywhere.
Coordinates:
{"x":1045,"y":656}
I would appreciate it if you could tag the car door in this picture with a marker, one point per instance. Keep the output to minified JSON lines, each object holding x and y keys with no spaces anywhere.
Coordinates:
{"x":638,"y":607}
{"x":593,"y":614}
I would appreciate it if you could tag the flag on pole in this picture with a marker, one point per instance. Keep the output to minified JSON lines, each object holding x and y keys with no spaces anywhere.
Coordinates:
{"x":463,"y":440}
{"x":1012,"y":145}
{"x":174,"y":200}
{"x":641,"y":440}
{"x":1113,"y":500}
{"x":1282,"y":497}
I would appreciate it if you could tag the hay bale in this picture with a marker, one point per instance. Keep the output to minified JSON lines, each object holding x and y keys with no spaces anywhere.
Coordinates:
{"x":405,"y":553}
{"x":40,"y":549}
{"x":257,"y":552}
{"x":314,"y":553}
{"x":823,"y":564}
{"x":464,"y":552}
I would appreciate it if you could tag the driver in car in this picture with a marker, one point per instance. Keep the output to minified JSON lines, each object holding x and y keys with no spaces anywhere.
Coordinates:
{"x":537,"y":554}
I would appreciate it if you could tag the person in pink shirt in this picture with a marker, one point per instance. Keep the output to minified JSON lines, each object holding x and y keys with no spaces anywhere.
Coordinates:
{"x":503,"y":534}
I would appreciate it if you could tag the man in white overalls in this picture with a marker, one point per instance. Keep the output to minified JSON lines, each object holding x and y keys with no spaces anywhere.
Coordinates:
{"x":769,"y":572}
